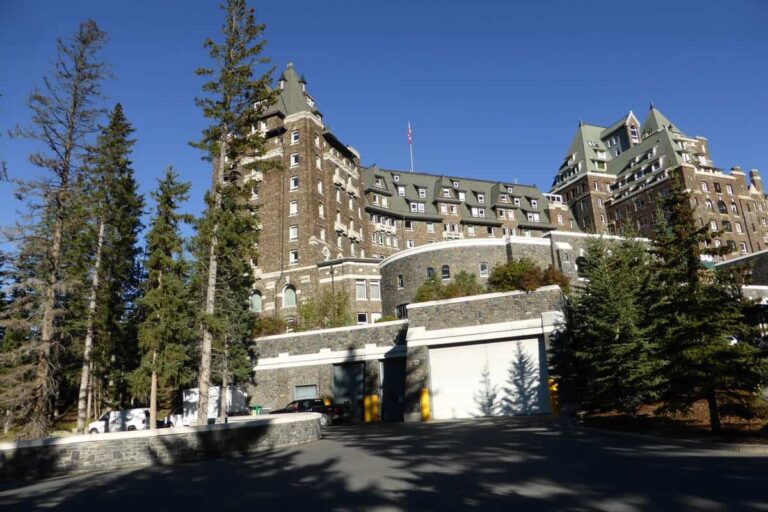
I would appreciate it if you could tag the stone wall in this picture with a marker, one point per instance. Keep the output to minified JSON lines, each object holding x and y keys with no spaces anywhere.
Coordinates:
{"x":485,"y":309}
{"x":107,"y":452}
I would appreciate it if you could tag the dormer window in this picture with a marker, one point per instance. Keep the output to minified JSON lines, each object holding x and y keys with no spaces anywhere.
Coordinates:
{"x":516,"y":201}
{"x":534,"y":203}
{"x":481,"y":198}
{"x":422,"y":193}
{"x":379,"y":182}
{"x":509,"y":190}
{"x":503,"y":198}
{"x":447,"y":192}
{"x":396,"y":177}
{"x":462,"y":196}
{"x":310,"y":101}
{"x":401,"y":191}
{"x":455,"y":184}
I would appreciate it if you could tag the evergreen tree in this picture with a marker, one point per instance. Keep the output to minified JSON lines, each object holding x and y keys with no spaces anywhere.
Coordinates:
{"x":695,"y":315}
{"x":114,"y":272}
{"x":226,"y":239}
{"x":63,"y":117}
{"x":616,"y":361}
{"x":166,"y":328}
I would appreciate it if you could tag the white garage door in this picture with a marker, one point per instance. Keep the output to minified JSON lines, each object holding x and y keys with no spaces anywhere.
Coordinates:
{"x":488,"y":379}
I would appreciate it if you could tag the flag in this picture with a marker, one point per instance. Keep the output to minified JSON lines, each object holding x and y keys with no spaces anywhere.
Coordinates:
{"x":410,"y":134}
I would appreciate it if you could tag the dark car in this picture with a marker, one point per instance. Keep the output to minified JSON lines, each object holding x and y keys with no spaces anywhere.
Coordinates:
{"x":330,"y":413}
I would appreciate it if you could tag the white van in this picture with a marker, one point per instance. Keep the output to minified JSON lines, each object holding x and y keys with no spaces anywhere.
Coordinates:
{"x":118,"y":421}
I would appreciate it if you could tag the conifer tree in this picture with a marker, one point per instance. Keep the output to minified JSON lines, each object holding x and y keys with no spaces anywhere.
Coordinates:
{"x":64,"y":115}
{"x":115,"y":207}
{"x":234,"y":101}
{"x":696,"y":314}
{"x":166,"y":328}
{"x":616,"y":363}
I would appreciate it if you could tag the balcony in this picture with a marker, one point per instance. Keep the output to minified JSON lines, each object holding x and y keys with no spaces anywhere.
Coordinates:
{"x":451,"y":235}
{"x":355,"y":234}
{"x":338,"y":179}
{"x":339,"y":227}
{"x":351,"y":189}
{"x":385,"y":228}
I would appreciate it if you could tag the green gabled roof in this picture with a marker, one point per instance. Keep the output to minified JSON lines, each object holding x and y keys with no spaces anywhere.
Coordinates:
{"x":656,"y":121}
{"x":622,"y":164}
{"x":292,"y":98}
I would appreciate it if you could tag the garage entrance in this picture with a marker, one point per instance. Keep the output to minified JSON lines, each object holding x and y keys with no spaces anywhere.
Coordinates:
{"x":392,"y":373}
{"x":348,"y":387}
{"x":488,"y":379}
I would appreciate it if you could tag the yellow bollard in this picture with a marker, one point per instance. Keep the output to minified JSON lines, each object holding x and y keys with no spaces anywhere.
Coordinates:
{"x":367,"y":408}
{"x":554,"y":401}
{"x":424,"y":402}
{"x":375,"y":408}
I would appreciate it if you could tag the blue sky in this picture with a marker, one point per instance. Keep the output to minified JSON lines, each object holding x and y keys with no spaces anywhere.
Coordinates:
{"x":493,"y":89}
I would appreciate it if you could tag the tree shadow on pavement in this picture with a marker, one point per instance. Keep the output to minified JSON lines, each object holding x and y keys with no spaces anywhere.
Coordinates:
{"x":481,"y":464}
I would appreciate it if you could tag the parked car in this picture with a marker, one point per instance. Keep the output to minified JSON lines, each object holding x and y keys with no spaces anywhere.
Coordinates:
{"x":119,"y":421}
{"x":331,"y":414}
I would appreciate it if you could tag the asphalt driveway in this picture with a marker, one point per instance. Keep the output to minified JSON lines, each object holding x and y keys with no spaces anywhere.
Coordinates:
{"x":499,"y":464}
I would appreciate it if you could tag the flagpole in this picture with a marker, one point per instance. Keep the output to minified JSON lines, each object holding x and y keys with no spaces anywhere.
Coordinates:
{"x":410,"y":143}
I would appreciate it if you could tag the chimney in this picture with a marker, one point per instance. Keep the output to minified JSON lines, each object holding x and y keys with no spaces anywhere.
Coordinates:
{"x":754,"y":177}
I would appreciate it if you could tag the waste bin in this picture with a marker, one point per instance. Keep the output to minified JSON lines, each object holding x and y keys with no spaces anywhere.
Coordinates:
{"x":256,"y":410}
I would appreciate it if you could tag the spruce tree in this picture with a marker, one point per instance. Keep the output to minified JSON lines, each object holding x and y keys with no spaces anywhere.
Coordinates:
{"x":615,"y":355}
{"x":166,"y":328}
{"x":115,"y":208}
{"x":234,"y":101}
{"x":696,"y":313}
{"x":64,"y":115}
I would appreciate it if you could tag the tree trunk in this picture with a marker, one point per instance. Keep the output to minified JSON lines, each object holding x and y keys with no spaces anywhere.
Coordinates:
{"x":714,"y":413}
{"x":153,"y":394}
{"x":89,"y":404}
{"x":85,"y":374}
{"x":210,"y":294}
{"x":45,"y":378}
{"x":224,"y":384}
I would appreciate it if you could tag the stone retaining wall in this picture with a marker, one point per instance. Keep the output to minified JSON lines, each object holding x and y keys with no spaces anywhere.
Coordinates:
{"x":106,"y":452}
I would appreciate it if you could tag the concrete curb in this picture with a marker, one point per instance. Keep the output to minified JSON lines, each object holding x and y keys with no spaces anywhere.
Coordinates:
{"x":749,"y":449}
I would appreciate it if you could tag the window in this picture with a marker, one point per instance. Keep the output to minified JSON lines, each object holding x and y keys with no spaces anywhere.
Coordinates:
{"x":430,"y":272}
{"x":490,"y":231}
{"x":308,"y":392}
{"x":375,"y":290}
{"x":422,"y":193}
{"x":400,"y":281}
{"x":339,"y":241}
{"x":559,"y":218}
{"x":293,"y":257}
{"x":533,"y":217}
{"x":454,"y":209}
{"x":727,"y":226}
{"x":294,"y":159}
{"x":289,"y":296}
{"x":455,"y":184}
{"x":318,"y":162}
{"x":351,"y":204}
{"x":516,"y":201}
{"x":737,"y":225}
{"x":256,"y":302}
{"x":704,"y":186}
{"x":443,"y":208}
{"x":743,"y":247}
{"x":713,"y":225}
{"x":721,"y":207}
{"x":319,"y":187}
{"x":430,"y":227}
{"x":321,"y":210}
{"x":534,"y":203}
{"x":447,"y":192}
{"x":483,"y":269}
{"x":409,"y":244}
{"x":414,"y":207}
{"x":599,"y":201}
{"x":717,"y":188}
{"x":481,"y":198}
{"x":322,"y":234}
{"x":293,"y":233}
{"x":408,"y":225}
{"x":375,"y":197}
{"x":361,"y":290}
{"x":709,"y":204}
{"x":501,"y":212}
{"x":317,"y":141}
{"x":401,"y":191}
{"x":294,"y":183}
{"x":462,"y":196}
{"x":295,"y":137}
{"x":734,"y":209}
{"x":362,"y":318}
{"x":396,"y":177}
{"x":446,"y":272}
{"x":503,"y":198}
{"x":471,"y":230}
{"x":293,"y":208}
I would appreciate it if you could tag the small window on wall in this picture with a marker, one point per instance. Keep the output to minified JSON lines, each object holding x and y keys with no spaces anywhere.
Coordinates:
{"x":446,"y":272}
{"x":430,"y":272}
{"x":305,"y":392}
{"x":294,"y":137}
{"x":289,"y":296}
{"x":400,"y":281}
{"x":255,"y":302}
{"x":362,"y":318}
{"x":483,"y":269}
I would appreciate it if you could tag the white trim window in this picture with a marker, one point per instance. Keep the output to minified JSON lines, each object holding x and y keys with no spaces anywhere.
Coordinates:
{"x":375,"y":290}
{"x":294,"y":183}
{"x":293,"y":233}
{"x":319,"y":186}
{"x":401,"y":191}
{"x":289,"y":296}
{"x":533,"y":217}
{"x":362,"y":318}
{"x":430,"y":227}
{"x":295,"y":137}
{"x":516,"y":201}
{"x":422,"y":193}
{"x":410,"y":244}
{"x":470,"y":230}
{"x":483,"y":269}
{"x":294,"y":159}
{"x":293,"y":257}
{"x":361,"y":291}
{"x":293,"y":208}
{"x":534,"y":203}
{"x":481,"y":198}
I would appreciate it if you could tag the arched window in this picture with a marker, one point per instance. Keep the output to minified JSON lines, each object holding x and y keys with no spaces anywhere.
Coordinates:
{"x":721,"y":207}
{"x":289,"y":296}
{"x":256,"y":302}
{"x":727,"y":226}
{"x":446,"y":271}
{"x":734,"y":209}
